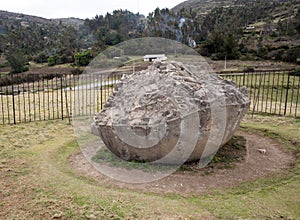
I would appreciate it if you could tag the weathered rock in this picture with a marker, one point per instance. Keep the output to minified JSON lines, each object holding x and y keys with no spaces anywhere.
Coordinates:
{"x":154,"y":110}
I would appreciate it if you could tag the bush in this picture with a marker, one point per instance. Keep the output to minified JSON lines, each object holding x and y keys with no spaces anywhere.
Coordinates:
{"x":276,"y":54}
{"x":292,"y":55}
{"x":40,"y":58}
{"x":52,"y":60}
{"x":83,"y":58}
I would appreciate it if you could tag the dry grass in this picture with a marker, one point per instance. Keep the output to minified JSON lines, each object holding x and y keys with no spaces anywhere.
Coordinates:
{"x":37,"y":182}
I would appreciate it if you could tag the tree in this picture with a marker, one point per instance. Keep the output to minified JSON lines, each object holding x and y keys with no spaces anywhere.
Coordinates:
{"x":17,"y":61}
{"x":52,"y":60}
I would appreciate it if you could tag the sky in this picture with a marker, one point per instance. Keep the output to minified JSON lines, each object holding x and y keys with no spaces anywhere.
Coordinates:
{"x":82,"y":8}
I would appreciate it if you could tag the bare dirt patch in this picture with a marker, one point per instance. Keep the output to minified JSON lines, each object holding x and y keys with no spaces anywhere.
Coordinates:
{"x":257,"y":163}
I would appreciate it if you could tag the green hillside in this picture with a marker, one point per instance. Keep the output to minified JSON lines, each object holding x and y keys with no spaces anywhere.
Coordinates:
{"x":239,"y":29}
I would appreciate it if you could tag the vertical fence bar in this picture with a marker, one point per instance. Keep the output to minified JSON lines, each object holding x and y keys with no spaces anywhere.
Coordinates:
{"x":79,"y":96}
{"x":277,"y":89}
{"x":52,"y":97}
{"x":90,"y":92}
{"x":86,"y":94}
{"x":281,"y":94}
{"x":244,"y":78}
{"x":268,"y":88}
{"x":48,"y":98}
{"x":251,"y":85}
{"x":39,"y":99}
{"x":297,"y":98}
{"x":2,"y":106}
{"x":24,"y":102}
{"x":263,"y":91}
{"x":287,"y":94}
{"x":57,"y":97}
{"x":13,"y":99}
{"x":256,"y":101}
{"x":255,"y":88}
{"x":43,"y":90}
{"x":97,"y":94}
{"x":19,"y":104}
{"x":259,"y":90}
{"x":7,"y":103}
{"x":28,"y":96}
{"x":74,"y":105}
{"x":273,"y":78}
{"x":61,"y":98}
{"x":292,"y":98}
{"x":82,"y":104}
{"x":71,"y":98}
{"x":67,"y":101}
{"x":101,"y":91}
{"x":34,"y":107}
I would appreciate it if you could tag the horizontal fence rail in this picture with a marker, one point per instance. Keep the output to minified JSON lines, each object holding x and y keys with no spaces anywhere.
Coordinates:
{"x":37,"y":97}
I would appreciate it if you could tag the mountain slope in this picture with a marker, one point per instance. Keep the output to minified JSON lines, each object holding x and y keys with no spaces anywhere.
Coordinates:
{"x":23,"y":20}
{"x":202,"y":7}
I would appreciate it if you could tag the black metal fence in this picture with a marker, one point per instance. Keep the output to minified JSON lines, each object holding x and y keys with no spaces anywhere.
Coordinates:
{"x":271,"y":91}
{"x":36,"y":97}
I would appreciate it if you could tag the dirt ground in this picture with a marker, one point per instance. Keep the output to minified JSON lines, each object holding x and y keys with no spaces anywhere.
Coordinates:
{"x":256,"y":164}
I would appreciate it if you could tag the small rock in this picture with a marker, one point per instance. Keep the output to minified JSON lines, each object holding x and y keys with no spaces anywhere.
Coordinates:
{"x":262,"y":151}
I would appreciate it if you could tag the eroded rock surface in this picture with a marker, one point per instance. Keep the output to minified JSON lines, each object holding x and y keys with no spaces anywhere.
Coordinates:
{"x":170,"y":114}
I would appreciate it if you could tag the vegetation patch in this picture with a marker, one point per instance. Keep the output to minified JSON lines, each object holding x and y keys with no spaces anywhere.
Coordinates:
{"x":106,"y":157}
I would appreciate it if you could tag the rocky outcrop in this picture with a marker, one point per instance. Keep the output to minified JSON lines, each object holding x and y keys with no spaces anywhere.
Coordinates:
{"x":169,"y":114}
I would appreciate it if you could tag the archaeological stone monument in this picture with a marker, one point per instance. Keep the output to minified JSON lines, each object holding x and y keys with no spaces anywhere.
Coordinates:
{"x":152,"y":111}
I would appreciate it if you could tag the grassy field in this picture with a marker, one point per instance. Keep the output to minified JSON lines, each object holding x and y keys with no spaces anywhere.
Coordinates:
{"x":37,"y":181}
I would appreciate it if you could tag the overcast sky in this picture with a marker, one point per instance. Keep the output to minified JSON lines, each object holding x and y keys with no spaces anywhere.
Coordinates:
{"x":82,"y":8}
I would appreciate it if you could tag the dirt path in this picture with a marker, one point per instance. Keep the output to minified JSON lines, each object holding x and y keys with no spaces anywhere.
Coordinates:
{"x":257,"y":164}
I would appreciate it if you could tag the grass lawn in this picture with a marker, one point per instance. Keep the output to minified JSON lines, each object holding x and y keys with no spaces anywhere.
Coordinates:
{"x":38,"y":182}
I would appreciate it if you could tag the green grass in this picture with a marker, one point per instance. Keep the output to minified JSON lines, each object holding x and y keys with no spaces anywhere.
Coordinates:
{"x":37,"y":181}
{"x":104,"y":156}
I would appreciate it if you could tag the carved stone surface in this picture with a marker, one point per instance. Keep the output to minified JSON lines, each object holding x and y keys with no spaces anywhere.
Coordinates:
{"x":166,"y":105}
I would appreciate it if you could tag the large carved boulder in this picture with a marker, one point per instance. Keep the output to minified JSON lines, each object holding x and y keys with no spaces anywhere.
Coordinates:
{"x":167,"y":105}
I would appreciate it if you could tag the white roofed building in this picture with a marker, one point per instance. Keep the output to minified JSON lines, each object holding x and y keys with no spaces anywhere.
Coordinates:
{"x":153,"y":57}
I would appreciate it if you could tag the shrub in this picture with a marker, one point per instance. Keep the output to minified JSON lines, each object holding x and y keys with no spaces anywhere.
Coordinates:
{"x":83,"y":58}
{"x":40,"y":58}
{"x":52,"y":60}
{"x":292,"y":55}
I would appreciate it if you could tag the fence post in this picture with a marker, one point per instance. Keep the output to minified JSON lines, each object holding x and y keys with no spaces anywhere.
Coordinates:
{"x":61,"y":97}
{"x":287,"y":94}
{"x":244,"y":79}
{"x":13,"y":98}
{"x":257,"y":96}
